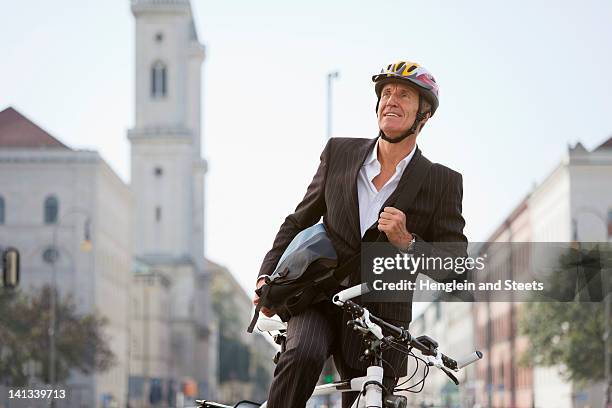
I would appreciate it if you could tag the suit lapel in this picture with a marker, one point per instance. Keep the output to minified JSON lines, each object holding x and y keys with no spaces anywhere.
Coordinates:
{"x":353,"y":163}
{"x":404,"y":184}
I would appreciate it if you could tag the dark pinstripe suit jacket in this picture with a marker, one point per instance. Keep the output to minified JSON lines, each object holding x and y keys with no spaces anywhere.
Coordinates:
{"x":434,"y":216}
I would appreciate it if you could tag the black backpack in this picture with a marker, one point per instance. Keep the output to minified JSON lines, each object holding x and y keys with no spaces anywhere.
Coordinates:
{"x":308,"y":271}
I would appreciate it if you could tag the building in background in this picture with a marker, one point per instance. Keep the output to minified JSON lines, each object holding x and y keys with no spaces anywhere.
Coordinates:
{"x":245,"y":360}
{"x":50,"y":194}
{"x":502,"y":380}
{"x":574,"y":203}
{"x":168,"y":177}
{"x":68,"y":213}
{"x":151,"y":380}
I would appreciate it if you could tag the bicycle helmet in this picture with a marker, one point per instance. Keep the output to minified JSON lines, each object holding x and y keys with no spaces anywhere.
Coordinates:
{"x":412,"y":73}
{"x":416,"y":75}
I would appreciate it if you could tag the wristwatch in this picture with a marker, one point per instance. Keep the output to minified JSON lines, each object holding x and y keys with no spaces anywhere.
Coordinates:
{"x":410,"y":245}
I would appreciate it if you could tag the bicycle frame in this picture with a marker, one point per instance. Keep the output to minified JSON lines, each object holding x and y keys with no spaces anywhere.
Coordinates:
{"x":371,"y":381}
{"x":373,"y":392}
{"x":369,"y":386}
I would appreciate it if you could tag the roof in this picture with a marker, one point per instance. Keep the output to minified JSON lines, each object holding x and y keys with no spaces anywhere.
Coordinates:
{"x":17,"y":131}
{"x":605,"y":145}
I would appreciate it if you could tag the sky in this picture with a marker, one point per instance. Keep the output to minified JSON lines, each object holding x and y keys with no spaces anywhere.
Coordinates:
{"x":519,"y":82}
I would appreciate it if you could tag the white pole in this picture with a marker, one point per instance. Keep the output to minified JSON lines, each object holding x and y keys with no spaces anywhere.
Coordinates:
{"x":330,"y":77}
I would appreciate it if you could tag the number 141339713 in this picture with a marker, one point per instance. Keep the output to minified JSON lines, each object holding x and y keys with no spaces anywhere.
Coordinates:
{"x":36,"y":394}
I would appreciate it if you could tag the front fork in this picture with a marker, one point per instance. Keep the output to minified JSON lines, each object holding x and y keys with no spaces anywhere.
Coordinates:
{"x":373,"y":388}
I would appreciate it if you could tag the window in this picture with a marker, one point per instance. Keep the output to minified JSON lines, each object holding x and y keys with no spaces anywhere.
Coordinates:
{"x":158,"y":80}
{"x":1,"y":210}
{"x":51,"y":210}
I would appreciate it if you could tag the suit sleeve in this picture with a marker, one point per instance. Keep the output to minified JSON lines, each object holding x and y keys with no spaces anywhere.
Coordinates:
{"x":446,"y":238}
{"x":308,"y":212}
{"x":448,"y":222}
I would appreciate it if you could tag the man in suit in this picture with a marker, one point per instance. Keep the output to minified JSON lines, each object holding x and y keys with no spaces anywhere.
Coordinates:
{"x":354,"y":189}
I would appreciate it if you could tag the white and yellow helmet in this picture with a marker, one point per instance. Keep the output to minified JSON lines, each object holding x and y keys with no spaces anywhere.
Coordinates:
{"x":412,"y":73}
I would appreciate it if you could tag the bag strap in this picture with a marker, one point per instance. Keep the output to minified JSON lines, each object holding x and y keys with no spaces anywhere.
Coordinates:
{"x":262,"y":292}
{"x":403,"y":202}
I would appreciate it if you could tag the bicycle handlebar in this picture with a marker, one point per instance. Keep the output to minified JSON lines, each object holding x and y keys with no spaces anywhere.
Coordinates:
{"x":426,"y":345}
{"x":350,"y":293}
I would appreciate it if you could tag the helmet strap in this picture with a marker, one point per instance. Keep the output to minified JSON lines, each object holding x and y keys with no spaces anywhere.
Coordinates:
{"x":417,"y":121}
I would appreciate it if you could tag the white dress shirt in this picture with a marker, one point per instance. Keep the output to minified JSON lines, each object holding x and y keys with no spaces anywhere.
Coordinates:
{"x":371,"y":200}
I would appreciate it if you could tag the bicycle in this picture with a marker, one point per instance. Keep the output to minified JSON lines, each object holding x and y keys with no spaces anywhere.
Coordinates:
{"x":372,"y":393}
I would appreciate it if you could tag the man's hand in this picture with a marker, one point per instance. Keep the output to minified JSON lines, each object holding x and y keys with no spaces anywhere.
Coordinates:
{"x":267,"y":312}
{"x":393,"y":223}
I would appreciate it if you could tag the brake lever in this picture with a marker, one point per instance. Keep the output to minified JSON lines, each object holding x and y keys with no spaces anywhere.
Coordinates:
{"x":436,"y":361}
{"x":450,"y":375}
{"x":357,"y":325}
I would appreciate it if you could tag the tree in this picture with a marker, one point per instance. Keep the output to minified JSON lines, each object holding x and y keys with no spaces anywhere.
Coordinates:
{"x":234,"y":355}
{"x":24,"y":338}
{"x":569,"y":333}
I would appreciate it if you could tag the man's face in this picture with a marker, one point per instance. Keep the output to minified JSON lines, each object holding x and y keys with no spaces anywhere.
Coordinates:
{"x":397,"y":109}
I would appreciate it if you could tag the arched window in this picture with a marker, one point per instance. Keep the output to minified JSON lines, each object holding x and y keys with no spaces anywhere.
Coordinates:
{"x":158,"y":80}
{"x":1,"y":210}
{"x":51,"y":209}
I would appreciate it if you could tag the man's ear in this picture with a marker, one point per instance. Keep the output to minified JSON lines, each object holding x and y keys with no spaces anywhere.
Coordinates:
{"x":423,"y":121}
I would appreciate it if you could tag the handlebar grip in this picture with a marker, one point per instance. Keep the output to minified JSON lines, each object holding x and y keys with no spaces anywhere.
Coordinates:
{"x":267,"y":325}
{"x":347,"y":294}
{"x":469,"y":359}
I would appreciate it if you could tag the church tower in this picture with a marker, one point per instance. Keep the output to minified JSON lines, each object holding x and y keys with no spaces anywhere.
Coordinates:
{"x":167,"y":169}
{"x":167,"y":186}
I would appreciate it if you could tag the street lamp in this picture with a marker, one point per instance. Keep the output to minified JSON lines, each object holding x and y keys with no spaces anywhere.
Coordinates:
{"x":330,"y":77}
{"x":327,"y":370}
{"x":51,"y":256}
{"x":10,"y":268}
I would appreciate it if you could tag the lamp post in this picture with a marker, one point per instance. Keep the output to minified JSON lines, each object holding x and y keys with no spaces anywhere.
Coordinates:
{"x":327,"y":369}
{"x":330,"y":77}
{"x":607,"y":299}
{"x":52,"y":259}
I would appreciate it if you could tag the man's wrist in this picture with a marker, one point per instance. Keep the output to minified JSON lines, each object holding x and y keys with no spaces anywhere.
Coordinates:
{"x":410,"y":246}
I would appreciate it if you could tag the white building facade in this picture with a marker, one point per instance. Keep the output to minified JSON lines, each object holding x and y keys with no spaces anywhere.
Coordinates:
{"x":168,"y":177}
{"x":68,"y":214}
{"x":574,"y":203}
